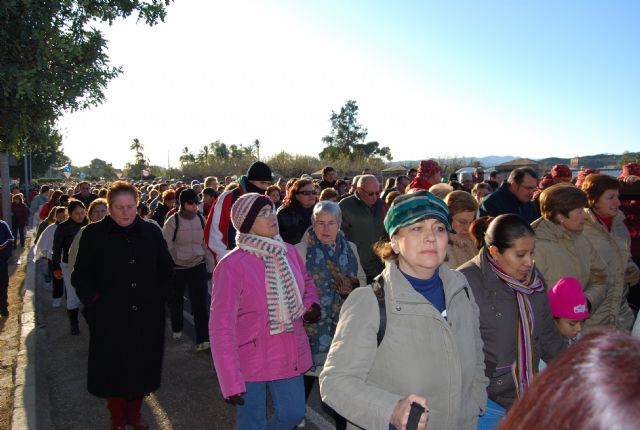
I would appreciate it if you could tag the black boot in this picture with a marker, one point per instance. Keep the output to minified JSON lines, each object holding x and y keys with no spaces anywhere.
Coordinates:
{"x":73,"y":320}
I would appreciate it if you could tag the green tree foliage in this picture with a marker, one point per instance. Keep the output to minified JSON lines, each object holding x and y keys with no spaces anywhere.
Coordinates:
{"x":98,"y":169}
{"x":348,"y":135}
{"x":187,"y":157}
{"x":44,"y":143}
{"x":629,"y":157}
{"x":53,"y":60}
{"x":134,"y":170}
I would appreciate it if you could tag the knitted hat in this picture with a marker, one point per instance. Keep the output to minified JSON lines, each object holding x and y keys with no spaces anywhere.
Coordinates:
{"x":245,"y":210}
{"x":561,"y":171}
{"x":630,"y":169}
{"x":567,"y":300}
{"x":582,"y":175}
{"x":259,"y":171}
{"x":426,"y":170}
{"x":188,"y":195}
{"x":410,"y":208}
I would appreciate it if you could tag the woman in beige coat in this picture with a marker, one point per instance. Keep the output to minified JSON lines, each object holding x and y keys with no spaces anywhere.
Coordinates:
{"x":606,"y":231}
{"x":463,"y":208}
{"x":562,"y":250}
{"x":430,"y":351}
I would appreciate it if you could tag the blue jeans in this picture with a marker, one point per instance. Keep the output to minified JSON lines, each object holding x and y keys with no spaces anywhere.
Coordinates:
{"x":492,"y":416}
{"x":287,"y":396}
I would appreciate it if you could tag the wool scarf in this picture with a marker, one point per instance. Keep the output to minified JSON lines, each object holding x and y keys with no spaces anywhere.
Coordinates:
{"x":522,"y":368}
{"x":284,"y":301}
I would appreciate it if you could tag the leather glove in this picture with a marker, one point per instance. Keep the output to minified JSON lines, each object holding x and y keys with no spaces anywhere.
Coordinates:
{"x":312,"y":314}
{"x":235,"y":400}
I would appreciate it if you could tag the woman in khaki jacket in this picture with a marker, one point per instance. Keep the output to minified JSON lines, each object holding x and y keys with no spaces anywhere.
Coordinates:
{"x":606,"y":231}
{"x":462,"y":207}
{"x":431,"y":348}
{"x":562,"y":250}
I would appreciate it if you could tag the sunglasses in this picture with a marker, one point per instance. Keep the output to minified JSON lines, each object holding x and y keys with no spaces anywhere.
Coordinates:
{"x":308,"y":193}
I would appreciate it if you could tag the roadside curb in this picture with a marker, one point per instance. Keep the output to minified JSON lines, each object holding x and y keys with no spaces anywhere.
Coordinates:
{"x":24,"y":397}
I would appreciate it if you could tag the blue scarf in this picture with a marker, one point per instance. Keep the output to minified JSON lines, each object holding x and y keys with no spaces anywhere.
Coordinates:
{"x":321,"y":259}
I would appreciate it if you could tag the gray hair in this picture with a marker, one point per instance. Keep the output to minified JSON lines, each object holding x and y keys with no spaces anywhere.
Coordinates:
{"x":364,"y":178}
{"x":327,"y":207}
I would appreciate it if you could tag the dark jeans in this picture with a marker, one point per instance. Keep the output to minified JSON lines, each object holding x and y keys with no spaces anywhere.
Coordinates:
{"x":18,"y":229}
{"x":194,"y":280}
{"x":4,"y":284}
{"x":57,"y":284}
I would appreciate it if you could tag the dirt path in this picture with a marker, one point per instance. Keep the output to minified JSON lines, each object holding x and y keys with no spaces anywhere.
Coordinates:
{"x":10,"y":335}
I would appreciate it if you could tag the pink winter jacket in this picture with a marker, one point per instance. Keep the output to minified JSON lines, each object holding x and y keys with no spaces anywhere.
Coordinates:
{"x":241,"y":346}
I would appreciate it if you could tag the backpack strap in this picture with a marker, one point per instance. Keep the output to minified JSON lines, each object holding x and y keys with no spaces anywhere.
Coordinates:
{"x":177,"y":218}
{"x":378,"y":290}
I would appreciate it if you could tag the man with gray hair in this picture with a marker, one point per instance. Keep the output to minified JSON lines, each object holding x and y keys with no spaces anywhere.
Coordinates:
{"x":514,"y":196}
{"x":363,"y":222}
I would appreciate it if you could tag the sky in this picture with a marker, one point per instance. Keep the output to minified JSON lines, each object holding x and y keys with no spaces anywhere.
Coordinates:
{"x":431,"y":78}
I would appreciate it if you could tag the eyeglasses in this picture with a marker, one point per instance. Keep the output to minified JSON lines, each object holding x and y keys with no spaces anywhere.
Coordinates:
{"x":372,"y":193}
{"x":308,"y":193}
{"x":266,"y":211}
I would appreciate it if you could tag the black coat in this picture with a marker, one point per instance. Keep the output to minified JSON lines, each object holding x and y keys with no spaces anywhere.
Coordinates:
{"x":63,"y":238}
{"x":293,"y":221}
{"x":123,"y":277}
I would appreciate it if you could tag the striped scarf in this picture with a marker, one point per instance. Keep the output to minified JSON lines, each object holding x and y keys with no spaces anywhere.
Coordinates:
{"x":284,"y":301}
{"x":522,"y":368}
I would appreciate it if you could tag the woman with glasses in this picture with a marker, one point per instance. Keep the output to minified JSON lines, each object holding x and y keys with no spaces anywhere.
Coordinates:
{"x":184,"y":234}
{"x":463,"y":208}
{"x":333,"y":264}
{"x":261,"y":296}
{"x":294,"y":216}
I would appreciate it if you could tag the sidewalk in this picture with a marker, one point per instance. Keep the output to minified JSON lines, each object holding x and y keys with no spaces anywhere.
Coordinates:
{"x":50,"y":378}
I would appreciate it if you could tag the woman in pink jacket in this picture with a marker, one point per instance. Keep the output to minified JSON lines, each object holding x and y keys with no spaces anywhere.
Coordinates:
{"x":261,"y":295}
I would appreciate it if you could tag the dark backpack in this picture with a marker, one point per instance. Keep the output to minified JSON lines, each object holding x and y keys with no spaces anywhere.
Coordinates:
{"x":378,"y":290}
{"x":177,"y":217}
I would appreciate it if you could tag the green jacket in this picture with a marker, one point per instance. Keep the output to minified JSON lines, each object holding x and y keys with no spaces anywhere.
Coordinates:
{"x":421,"y":353}
{"x":364,"y":226}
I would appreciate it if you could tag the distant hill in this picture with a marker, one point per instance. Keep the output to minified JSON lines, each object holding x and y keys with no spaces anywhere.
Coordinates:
{"x":588,"y":161}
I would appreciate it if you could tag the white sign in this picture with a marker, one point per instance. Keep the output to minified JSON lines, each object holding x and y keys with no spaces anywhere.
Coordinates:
{"x":67,"y":174}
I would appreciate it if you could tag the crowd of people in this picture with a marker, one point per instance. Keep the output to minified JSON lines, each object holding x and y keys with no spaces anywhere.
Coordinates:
{"x":441,"y":295}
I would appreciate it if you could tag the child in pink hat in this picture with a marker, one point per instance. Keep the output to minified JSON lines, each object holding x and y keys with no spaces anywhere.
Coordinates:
{"x":569,"y":307}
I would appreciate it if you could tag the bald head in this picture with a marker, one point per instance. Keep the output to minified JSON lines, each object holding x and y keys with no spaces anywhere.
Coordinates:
{"x":368,"y":189}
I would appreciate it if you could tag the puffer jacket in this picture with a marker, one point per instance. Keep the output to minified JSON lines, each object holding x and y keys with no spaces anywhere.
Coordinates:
{"x":614,"y":248}
{"x":560,"y":254}
{"x":243,"y":350}
{"x":188,"y":248}
{"x":421,"y":353}
{"x":498,"y":324}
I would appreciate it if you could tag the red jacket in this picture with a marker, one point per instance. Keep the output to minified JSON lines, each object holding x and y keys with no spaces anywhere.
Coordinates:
{"x":20,"y":214}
